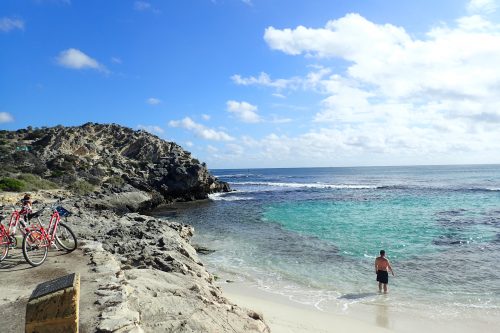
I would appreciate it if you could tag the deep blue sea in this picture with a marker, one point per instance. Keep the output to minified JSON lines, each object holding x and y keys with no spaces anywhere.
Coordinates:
{"x":312,"y":234}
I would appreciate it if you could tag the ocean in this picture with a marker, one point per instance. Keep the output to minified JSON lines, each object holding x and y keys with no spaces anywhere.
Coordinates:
{"x":312,"y":234}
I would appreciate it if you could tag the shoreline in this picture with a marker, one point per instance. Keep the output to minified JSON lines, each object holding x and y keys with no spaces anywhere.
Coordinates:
{"x":362,"y":315}
{"x":285,"y":315}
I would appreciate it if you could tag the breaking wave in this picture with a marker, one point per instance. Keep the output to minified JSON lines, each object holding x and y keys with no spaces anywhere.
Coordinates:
{"x":308,"y":185}
{"x":227,"y":197}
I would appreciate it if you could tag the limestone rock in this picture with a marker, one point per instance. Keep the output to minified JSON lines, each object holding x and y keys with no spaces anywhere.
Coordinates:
{"x":155,"y":281}
{"x":114,"y":159}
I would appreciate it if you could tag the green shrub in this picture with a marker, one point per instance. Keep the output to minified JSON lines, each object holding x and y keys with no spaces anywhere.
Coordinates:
{"x":34,"y":135}
{"x":34,"y":182}
{"x":12,"y":185}
{"x":66,"y":166}
{"x":4,"y":150}
{"x":94,"y":180}
{"x":56,"y":173}
{"x":115,"y":181}
{"x":81,"y":187}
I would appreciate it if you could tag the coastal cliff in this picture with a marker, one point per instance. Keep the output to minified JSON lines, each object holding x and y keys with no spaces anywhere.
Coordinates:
{"x":139,"y":273}
{"x":109,"y":158}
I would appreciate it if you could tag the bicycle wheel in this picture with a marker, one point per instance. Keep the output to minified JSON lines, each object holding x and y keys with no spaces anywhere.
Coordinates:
{"x":4,"y":246}
{"x":35,"y":248}
{"x":65,"y":237}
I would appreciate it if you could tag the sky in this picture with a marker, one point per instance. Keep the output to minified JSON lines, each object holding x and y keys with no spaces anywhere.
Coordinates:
{"x":264,"y":83}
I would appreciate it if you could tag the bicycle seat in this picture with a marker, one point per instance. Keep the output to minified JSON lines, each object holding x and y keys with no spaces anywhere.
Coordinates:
{"x":35,"y":214}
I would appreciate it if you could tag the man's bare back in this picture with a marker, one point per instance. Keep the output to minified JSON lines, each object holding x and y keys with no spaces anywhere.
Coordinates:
{"x":382,"y":264}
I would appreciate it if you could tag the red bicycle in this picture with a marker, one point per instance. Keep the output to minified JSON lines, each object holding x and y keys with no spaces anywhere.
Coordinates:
{"x":5,"y":242}
{"x":37,"y":241}
{"x":8,"y":235}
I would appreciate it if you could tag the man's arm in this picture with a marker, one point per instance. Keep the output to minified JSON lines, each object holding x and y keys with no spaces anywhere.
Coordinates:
{"x":376,"y":266}
{"x":390,"y":267}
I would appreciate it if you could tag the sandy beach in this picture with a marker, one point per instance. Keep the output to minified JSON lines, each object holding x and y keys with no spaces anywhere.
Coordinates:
{"x":286,"y":316}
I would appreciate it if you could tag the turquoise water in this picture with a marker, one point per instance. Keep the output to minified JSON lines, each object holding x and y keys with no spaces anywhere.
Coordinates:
{"x":408,"y":225}
{"x":312,"y":234}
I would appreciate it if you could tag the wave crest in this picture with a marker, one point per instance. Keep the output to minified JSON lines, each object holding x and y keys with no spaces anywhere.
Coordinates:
{"x":227,"y":197}
{"x":308,"y":185}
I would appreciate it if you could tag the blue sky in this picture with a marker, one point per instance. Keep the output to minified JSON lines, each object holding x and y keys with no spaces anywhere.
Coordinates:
{"x":264,"y":83}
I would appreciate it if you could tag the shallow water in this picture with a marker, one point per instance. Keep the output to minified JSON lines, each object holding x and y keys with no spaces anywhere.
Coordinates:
{"x":312,"y":234}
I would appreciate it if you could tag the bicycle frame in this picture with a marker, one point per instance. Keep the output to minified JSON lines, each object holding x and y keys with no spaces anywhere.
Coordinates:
{"x":50,"y":232}
{"x":14,"y":221}
{"x":15,"y":217}
{"x":4,"y":231}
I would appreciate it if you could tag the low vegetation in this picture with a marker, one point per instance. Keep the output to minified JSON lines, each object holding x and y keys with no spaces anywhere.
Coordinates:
{"x":81,"y":187}
{"x":34,"y":182}
{"x":25,"y":182}
{"x":115,"y":181}
{"x":12,"y":185}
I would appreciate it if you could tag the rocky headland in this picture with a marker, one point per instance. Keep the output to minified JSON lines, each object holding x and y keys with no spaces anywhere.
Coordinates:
{"x":139,"y":273}
{"x":140,"y":168}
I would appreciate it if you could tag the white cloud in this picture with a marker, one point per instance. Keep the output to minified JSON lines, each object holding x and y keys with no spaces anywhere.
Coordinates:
{"x":246,"y":112}
{"x":205,"y":117}
{"x":348,"y":37}
{"x":142,"y":5}
{"x":7,"y":24}
{"x":247,"y":2}
{"x":145,"y":6}
{"x":280,"y":120}
{"x":116,"y":60}
{"x":482,"y":6}
{"x":211,"y":149}
{"x":399,"y":95}
{"x":153,"y":101}
{"x":189,"y":144}
{"x":76,"y":59}
{"x":151,"y":129}
{"x":201,"y":130}
{"x":265,"y":80}
{"x":6,"y":117}
{"x":234,"y":149}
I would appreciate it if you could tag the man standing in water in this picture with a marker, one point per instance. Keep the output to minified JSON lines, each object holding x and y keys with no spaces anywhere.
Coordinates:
{"x":382,"y":268}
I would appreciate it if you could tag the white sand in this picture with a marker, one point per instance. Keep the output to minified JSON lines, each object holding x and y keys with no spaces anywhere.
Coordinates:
{"x":284,"y":316}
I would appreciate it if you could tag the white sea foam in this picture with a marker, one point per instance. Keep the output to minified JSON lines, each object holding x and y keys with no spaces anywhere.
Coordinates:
{"x":227,"y":197}
{"x":237,"y":175}
{"x":494,"y":189}
{"x":308,"y":185}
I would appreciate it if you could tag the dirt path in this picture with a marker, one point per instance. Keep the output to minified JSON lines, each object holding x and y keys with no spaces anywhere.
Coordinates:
{"x":18,"y":279}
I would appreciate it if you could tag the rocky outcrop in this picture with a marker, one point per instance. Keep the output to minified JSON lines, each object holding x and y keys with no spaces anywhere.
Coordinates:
{"x":139,"y":274}
{"x":155,"y":280}
{"x":110,"y":157}
{"x":147,"y":276}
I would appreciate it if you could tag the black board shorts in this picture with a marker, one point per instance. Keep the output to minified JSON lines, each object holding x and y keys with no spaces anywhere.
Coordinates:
{"x":383,"y":276}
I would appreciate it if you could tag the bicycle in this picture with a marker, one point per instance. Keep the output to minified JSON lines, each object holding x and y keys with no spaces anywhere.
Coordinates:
{"x":4,"y":241}
{"x":8,"y":238}
{"x":37,"y":241}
